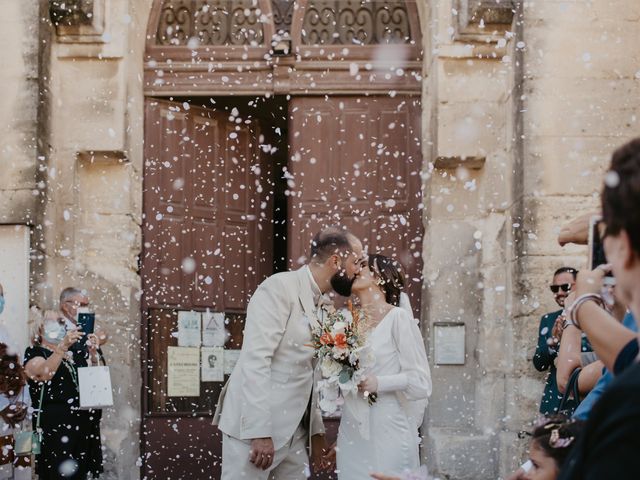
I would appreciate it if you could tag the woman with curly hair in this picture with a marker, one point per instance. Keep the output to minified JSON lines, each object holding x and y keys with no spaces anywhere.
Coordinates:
{"x":13,"y":409}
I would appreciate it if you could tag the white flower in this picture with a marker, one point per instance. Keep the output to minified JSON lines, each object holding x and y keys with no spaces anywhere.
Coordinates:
{"x":329,"y":368}
{"x":339,"y":327}
{"x":366,"y":357}
{"x":328,"y":396}
{"x":328,"y":406}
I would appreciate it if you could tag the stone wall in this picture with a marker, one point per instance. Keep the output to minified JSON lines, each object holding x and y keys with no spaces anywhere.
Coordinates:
{"x":92,"y":216}
{"x":519,"y":121}
{"x":469,"y":248}
{"x":19,"y":30}
{"x":535,"y":121}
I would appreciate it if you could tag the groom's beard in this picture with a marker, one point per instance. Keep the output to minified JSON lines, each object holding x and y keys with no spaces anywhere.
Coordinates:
{"x":342,"y":284}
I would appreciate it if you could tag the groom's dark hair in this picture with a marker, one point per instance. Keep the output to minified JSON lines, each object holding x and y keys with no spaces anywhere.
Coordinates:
{"x":329,"y":241}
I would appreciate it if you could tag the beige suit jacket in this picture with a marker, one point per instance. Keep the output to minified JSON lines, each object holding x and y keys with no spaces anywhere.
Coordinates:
{"x":271,"y":388}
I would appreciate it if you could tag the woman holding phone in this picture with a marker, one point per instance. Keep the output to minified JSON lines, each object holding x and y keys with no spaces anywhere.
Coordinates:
{"x":61,"y":427}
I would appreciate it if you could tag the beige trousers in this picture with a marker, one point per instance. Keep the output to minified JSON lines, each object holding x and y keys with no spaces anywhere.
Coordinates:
{"x":290,"y":462}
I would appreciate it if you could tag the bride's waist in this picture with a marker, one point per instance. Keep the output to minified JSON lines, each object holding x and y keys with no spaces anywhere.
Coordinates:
{"x":386,"y":398}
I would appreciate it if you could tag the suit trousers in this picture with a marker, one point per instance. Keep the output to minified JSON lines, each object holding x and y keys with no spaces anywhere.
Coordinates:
{"x":290,"y":462}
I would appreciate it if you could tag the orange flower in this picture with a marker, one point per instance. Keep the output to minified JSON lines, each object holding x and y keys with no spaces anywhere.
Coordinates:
{"x":341,"y":340}
{"x":326,"y":338}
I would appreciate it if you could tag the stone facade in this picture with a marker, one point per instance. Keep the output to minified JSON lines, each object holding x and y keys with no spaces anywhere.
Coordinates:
{"x":521,"y":112}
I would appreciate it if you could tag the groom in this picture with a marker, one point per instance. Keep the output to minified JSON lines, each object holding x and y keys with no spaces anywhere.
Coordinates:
{"x":266,"y":411}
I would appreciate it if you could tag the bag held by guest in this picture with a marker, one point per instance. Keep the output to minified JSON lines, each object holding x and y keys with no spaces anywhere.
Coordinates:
{"x":571,"y":398}
{"x":23,"y":442}
{"x":94,"y":384}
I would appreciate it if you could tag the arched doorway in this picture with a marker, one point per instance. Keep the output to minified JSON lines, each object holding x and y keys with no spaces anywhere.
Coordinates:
{"x":264,"y":120}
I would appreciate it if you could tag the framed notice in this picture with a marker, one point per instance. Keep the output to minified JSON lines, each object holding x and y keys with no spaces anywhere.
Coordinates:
{"x":212,"y":364}
{"x":183,"y":372}
{"x":230,"y":359}
{"x":189,"y":328}
{"x":449,"y":342}
{"x":213,"y":331}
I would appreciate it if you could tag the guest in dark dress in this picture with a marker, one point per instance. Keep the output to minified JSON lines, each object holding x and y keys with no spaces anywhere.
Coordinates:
{"x":53,"y":385}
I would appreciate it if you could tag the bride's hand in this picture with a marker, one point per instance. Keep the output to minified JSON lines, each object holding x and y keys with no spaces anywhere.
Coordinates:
{"x":368,"y":384}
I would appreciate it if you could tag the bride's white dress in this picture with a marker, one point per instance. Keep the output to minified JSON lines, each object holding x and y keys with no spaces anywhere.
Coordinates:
{"x":384,"y":437}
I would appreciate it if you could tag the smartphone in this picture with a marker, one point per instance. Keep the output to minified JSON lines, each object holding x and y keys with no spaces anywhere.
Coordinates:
{"x":597,"y":256}
{"x":86,"y":322}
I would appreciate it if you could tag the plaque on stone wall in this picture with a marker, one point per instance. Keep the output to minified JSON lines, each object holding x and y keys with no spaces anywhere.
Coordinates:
{"x":449,"y":339}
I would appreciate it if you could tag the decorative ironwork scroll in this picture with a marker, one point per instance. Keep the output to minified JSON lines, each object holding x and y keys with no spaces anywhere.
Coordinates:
{"x":356,"y":22}
{"x":282,"y":14}
{"x":210,"y":22}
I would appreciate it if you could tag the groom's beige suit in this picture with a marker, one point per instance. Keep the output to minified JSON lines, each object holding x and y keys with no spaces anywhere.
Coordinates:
{"x":270,"y":392}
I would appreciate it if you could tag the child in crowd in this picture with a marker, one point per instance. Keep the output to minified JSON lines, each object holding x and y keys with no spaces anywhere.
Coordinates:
{"x":552,"y":440}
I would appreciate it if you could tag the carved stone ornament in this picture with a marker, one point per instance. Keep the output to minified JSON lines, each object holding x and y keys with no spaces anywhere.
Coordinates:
{"x":356,"y":22}
{"x":78,"y":21}
{"x":478,"y":17}
{"x":210,"y":22}
{"x":492,"y":12}
{"x":71,"y":13}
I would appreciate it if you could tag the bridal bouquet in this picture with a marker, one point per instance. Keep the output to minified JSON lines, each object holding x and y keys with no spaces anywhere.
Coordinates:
{"x":343,"y":354}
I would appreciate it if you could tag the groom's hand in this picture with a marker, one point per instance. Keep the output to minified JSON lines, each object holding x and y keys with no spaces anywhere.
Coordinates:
{"x":318,"y":452}
{"x":261,"y":453}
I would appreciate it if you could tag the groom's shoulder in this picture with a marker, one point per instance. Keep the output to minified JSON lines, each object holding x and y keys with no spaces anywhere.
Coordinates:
{"x":280,"y":279}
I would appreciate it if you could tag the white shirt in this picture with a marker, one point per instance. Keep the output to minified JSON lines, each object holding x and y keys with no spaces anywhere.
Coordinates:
{"x":315,"y":289}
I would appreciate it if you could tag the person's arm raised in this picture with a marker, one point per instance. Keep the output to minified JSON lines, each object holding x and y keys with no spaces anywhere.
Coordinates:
{"x":607,"y":336}
{"x":43,"y":370}
{"x":568,"y":356}
{"x":576,"y":231}
{"x":589,"y":376}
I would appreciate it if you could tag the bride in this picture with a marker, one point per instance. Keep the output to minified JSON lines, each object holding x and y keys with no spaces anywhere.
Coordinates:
{"x":383,"y":437}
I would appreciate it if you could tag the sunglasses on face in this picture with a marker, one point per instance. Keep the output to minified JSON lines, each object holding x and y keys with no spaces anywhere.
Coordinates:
{"x":565,"y":287}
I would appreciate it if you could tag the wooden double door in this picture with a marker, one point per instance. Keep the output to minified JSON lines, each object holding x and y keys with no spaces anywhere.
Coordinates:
{"x":234,"y":190}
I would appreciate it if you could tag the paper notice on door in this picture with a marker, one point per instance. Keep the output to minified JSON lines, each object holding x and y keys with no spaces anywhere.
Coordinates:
{"x":230,"y":360}
{"x":189,"y":329}
{"x":183,"y":372}
{"x":213,"y":331}
{"x":212,"y":369}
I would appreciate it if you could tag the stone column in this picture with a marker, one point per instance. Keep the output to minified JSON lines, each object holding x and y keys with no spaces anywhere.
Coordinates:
{"x":92,"y":220}
{"x":470,"y":185}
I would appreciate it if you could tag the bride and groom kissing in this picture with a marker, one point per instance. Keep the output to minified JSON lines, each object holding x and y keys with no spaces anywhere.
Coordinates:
{"x":268,"y":411}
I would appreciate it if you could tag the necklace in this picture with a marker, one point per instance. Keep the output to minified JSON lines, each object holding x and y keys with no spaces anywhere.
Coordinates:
{"x":381,"y":310}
